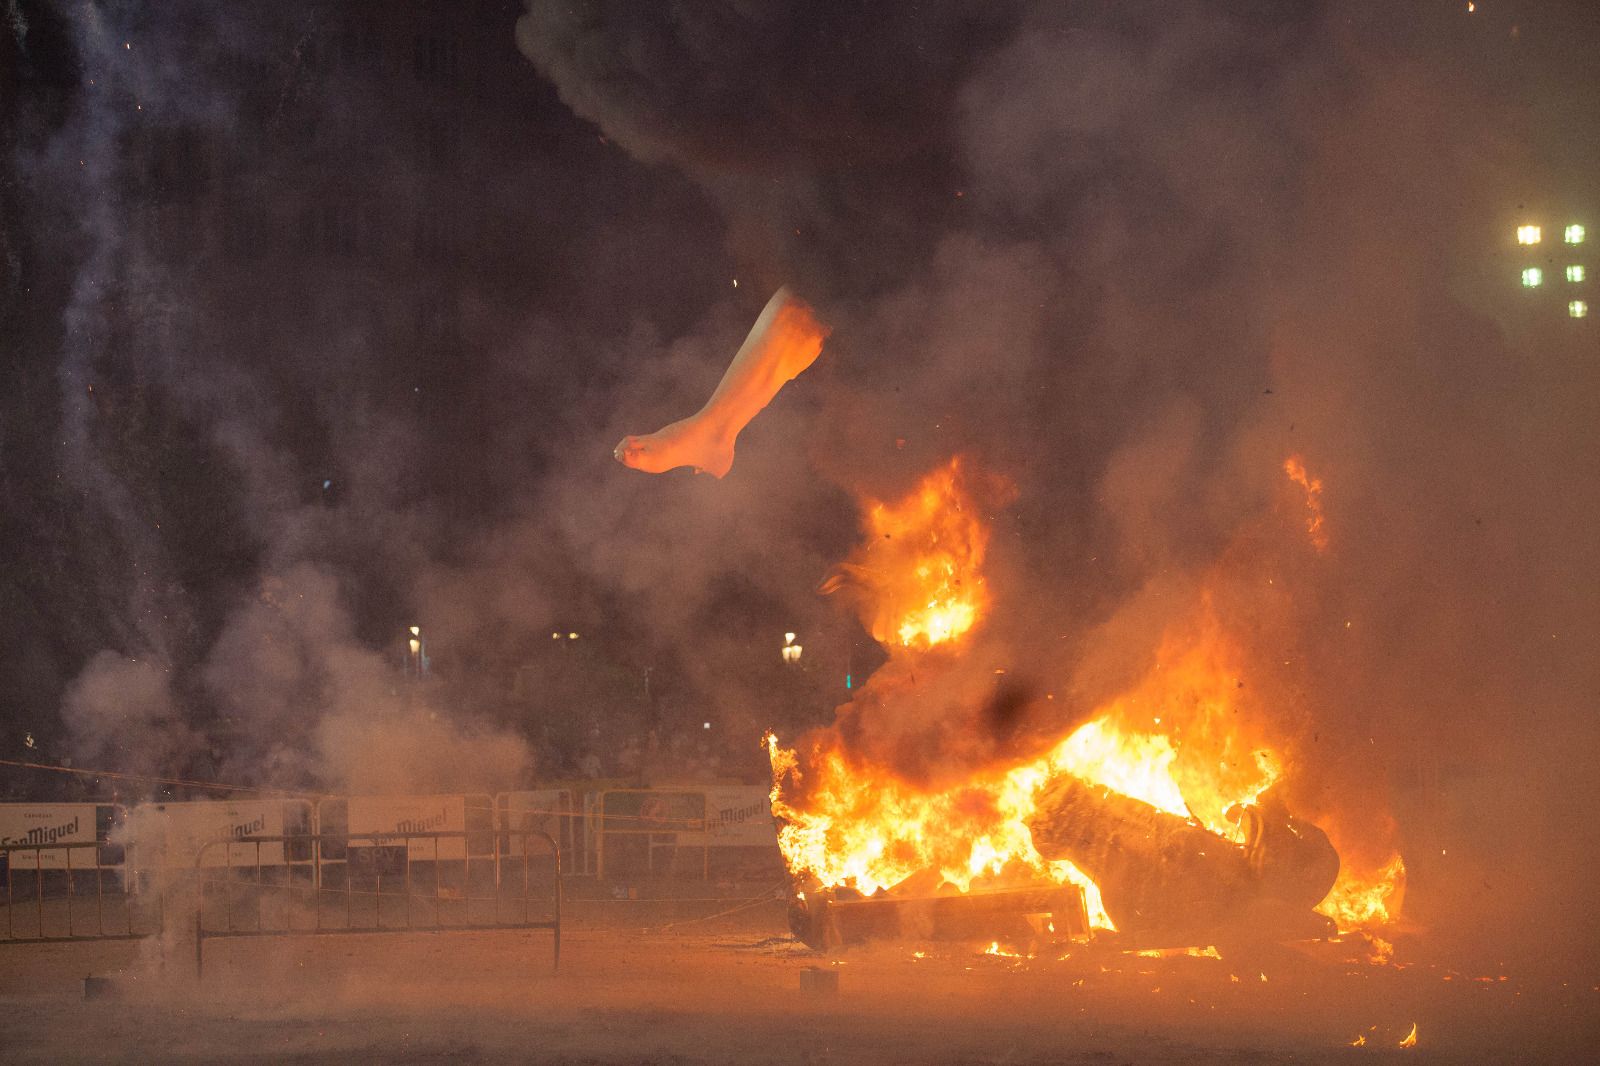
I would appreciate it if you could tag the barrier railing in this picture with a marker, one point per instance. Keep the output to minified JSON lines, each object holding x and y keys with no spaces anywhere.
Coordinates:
{"x":550,"y":809}
{"x":651,"y":833}
{"x":50,"y":898}
{"x":428,"y":881}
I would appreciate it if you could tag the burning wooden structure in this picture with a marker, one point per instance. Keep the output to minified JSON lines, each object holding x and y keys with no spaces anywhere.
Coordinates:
{"x":1158,"y":816}
{"x":829,"y":919}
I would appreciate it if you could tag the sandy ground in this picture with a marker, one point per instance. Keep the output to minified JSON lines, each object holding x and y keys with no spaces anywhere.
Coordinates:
{"x":733,"y":995}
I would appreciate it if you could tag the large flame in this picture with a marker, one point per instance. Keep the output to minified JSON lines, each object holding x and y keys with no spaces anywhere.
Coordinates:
{"x":919,"y":573}
{"x":1176,"y":740}
{"x":862,"y":826}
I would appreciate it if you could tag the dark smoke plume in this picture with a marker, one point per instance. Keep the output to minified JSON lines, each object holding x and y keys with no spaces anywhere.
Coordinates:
{"x":314,"y":333}
{"x":1134,"y":256}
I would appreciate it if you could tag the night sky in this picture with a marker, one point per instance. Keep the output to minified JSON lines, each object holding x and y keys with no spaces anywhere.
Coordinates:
{"x":320,"y":320}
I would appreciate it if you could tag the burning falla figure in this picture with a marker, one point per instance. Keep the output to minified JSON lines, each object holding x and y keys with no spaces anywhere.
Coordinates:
{"x":1165,"y":877}
{"x":786,"y":339}
{"x":1164,"y":880}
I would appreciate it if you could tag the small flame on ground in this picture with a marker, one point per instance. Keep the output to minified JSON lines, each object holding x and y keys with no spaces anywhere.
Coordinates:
{"x":1411,"y":1037}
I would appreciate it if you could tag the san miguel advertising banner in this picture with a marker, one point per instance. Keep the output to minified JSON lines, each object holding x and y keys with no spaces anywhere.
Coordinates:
{"x":739,"y":816}
{"x":396,"y":819}
{"x":34,"y":825}
{"x":186,"y":828}
{"x":717,"y":816}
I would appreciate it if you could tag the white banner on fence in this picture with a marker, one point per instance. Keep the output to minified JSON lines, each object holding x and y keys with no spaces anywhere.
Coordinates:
{"x":52,"y":823}
{"x":180,"y":830}
{"x":401,"y":815}
{"x":737,"y":816}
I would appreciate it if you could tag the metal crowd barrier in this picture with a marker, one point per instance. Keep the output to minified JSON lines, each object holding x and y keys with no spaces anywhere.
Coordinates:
{"x":650,"y":833}
{"x":403,"y":872}
{"x":60,"y":902}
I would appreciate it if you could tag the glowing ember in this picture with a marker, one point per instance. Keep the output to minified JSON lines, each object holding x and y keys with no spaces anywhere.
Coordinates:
{"x":1364,"y":900}
{"x":1379,"y":951}
{"x":1295,"y":467}
{"x":919,"y":574}
{"x":1210,"y":952}
{"x":1411,"y":1037}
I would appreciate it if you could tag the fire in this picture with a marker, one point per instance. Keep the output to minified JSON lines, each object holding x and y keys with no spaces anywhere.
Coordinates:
{"x":861,"y":826}
{"x":919,"y":574}
{"x":1411,"y":1037}
{"x":1295,"y":467}
{"x":1364,"y":900}
{"x":1178,"y":740}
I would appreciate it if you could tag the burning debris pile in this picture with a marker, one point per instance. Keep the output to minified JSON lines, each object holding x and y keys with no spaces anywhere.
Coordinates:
{"x":1160,"y":818}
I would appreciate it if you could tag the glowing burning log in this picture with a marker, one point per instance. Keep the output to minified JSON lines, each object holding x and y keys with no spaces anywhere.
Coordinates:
{"x":785,"y":340}
{"x":1154,"y":869}
{"x":829,"y":918}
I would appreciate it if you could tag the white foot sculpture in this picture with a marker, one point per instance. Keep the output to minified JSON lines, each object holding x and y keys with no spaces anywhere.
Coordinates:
{"x":784,"y":341}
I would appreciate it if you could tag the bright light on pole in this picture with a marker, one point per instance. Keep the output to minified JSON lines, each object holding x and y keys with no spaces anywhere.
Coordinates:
{"x":418,"y":661}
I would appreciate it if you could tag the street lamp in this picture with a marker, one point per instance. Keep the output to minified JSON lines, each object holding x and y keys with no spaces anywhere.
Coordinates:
{"x":419,"y":661}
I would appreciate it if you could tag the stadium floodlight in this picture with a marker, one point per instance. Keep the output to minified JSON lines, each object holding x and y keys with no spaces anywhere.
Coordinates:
{"x":1575,"y":273}
{"x":1528,"y":234}
{"x":1532,"y":278}
{"x":1574,"y":234}
{"x":1578,"y":309}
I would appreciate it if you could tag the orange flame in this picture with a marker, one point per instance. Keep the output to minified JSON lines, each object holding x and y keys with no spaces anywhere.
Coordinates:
{"x":919,"y":574}
{"x":1176,"y":741}
{"x":861,"y":826}
{"x":1295,"y":467}
{"x":1366,"y":899}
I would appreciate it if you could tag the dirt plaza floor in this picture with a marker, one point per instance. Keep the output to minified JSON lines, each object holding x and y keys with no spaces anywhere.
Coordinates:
{"x":744,"y":992}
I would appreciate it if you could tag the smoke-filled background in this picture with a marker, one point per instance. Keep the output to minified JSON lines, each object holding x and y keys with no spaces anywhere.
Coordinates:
{"x":319,"y":322}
